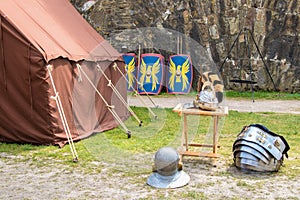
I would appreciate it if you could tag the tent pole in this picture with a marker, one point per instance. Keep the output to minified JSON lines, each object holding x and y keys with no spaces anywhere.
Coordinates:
{"x":109,"y":107}
{"x":266,"y":67}
{"x":115,"y":66}
{"x":228,"y":54}
{"x":139,"y":55}
{"x":119,"y":95}
{"x":62,"y":116}
{"x":249,"y":56}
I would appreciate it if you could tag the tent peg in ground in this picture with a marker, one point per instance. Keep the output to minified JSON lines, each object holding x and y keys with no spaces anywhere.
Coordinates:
{"x":128,"y":134}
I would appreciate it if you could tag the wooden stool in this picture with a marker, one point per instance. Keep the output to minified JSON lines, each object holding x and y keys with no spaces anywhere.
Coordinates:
{"x":223,"y":111}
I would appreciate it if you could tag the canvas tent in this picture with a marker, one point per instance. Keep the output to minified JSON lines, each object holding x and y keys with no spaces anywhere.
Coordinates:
{"x":36,"y":34}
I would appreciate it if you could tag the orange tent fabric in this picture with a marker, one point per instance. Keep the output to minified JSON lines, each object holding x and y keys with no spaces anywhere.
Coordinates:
{"x":33,"y":34}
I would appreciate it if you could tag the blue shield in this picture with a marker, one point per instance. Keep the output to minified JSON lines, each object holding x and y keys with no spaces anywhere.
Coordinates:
{"x":131,"y":71}
{"x":179,"y":74}
{"x":150,"y":74}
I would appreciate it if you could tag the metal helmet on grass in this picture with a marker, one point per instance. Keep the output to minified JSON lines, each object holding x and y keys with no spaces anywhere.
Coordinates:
{"x":166,"y":173}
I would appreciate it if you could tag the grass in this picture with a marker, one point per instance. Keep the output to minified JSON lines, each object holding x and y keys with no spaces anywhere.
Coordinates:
{"x":247,"y":95}
{"x":113,"y":149}
{"x":113,"y":146}
{"x":262,"y":95}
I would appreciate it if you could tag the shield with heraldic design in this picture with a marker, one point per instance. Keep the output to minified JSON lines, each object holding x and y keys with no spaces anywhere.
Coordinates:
{"x":179,"y":74}
{"x":131,"y":71}
{"x":150,"y":74}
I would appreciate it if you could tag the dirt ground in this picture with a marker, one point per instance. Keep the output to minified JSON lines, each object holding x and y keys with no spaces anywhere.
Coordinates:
{"x":23,"y":179}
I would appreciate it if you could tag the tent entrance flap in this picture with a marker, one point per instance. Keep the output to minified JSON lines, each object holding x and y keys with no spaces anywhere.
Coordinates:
{"x":109,"y":107}
{"x":63,"y":116}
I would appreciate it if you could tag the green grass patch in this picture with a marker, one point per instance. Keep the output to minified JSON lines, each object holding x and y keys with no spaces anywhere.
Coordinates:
{"x":262,"y":95}
{"x":268,"y":95}
{"x":113,"y":145}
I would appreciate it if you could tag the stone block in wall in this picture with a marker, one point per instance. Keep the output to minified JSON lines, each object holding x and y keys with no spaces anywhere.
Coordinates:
{"x":214,"y":32}
{"x":233,"y":25}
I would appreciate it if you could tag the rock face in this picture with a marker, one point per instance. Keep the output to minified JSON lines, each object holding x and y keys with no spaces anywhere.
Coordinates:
{"x":255,"y":40}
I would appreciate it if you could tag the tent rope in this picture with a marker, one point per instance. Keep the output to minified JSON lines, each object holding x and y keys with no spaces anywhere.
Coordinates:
{"x":109,"y":107}
{"x":79,"y":76}
{"x":62,"y":116}
{"x":147,"y":94}
{"x":115,"y":66}
{"x":110,"y":84}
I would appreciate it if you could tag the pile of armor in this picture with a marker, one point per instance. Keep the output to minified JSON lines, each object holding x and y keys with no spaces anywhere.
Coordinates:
{"x":206,"y":100}
{"x":258,"y":149}
{"x":210,"y":89}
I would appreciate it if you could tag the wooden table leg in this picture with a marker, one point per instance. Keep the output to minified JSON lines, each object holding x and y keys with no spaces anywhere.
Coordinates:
{"x":215,"y":134}
{"x":185,"y":131}
{"x":184,"y":143}
{"x":215,"y":138}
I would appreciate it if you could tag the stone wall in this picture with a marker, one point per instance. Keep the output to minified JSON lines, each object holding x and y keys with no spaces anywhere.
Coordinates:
{"x":253,"y":40}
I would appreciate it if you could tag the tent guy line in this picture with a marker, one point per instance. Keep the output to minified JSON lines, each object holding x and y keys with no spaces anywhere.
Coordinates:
{"x":115,"y":66}
{"x":139,"y":83}
{"x":109,"y":107}
{"x":119,"y":95}
{"x":31,"y":111}
{"x":62,"y":116}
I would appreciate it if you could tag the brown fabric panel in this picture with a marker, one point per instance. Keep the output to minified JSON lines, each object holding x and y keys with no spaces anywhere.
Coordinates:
{"x":56,"y":29}
{"x":23,"y":119}
{"x":62,"y":73}
{"x":84,"y":100}
{"x":90,"y":110}
{"x":37,"y":32}
{"x":85,"y":110}
{"x":109,"y":94}
{"x":120,"y":83}
{"x":2,"y":59}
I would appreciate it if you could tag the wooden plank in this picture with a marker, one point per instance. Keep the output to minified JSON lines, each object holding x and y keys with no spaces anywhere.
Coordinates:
{"x":223,"y":111}
{"x":199,"y":154}
{"x":185,"y":131}
{"x":194,"y":111}
{"x":215,"y":134}
{"x":202,"y":145}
